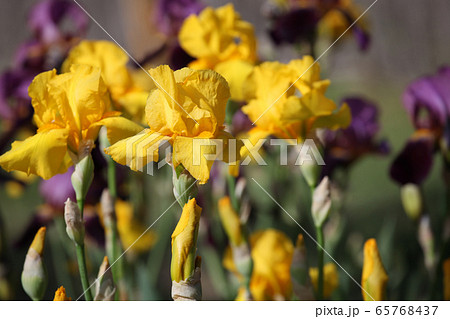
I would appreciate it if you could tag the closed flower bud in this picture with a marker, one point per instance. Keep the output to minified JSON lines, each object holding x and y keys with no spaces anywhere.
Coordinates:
{"x":311,"y":172}
{"x":374,"y":276}
{"x":184,"y":185}
{"x":34,"y":274}
{"x":230,"y":221}
{"x":184,"y":242}
{"x":60,"y":295}
{"x":82,"y":176}
{"x":412,"y":200}
{"x":426,"y":241}
{"x":104,"y":285}
{"x":300,"y":272}
{"x":74,"y":222}
{"x":321,"y":202}
{"x":107,"y":203}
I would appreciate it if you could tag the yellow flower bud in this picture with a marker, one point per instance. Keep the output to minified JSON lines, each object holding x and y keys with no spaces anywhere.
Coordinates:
{"x":330,"y":279}
{"x":374,"y":276}
{"x":60,"y":295}
{"x":34,"y":274}
{"x":184,"y":242}
{"x":446,"y":269}
{"x":412,"y":200}
{"x":230,"y":221}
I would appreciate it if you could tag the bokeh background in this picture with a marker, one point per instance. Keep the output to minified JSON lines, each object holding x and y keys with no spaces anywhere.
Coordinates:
{"x":410,"y":38}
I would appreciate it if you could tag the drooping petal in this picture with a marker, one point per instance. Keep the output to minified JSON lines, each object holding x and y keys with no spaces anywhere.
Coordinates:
{"x":137,"y":151}
{"x":42,"y":154}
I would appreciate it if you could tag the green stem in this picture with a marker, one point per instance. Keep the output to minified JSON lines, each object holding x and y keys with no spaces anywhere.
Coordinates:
{"x":81,"y":257}
{"x":231,"y":182}
{"x":320,"y":255}
{"x":112,"y":178}
{"x":83,"y":271}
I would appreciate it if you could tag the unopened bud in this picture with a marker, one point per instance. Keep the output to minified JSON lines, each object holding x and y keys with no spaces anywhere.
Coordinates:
{"x":74,"y":222}
{"x":34,"y":274}
{"x":302,"y":285}
{"x":311,"y":172}
{"x":374,"y":276}
{"x":60,"y":295}
{"x":104,"y":141}
{"x":426,"y":240}
{"x":230,"y":221}
{"x":321,"y":202}
{"x":412,"y":200}
{"x":82,"y":176}
{"x":107,"y":203}
{"x":104,"y":286}
{"x":184,"y":242}
{"x":184,"y":185}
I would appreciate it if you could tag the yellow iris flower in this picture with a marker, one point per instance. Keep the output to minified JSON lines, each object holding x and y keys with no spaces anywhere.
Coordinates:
{"x":220,"y":40}
{"x":69,"y":110}
{"x":374,"y":277}
{"x":271,"y":252}
{"x":286,"y":111}
{"x":330,"y":279}
{"x":188,"y":111}
{"x":129,"y":91}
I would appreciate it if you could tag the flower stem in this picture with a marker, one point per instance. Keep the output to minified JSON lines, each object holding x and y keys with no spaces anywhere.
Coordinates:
{"x":231,"y":182}
{"x":320,"y":255}
{"x":112,"y":178}
{"x":81,"y":257}
{"x":83,"y":271}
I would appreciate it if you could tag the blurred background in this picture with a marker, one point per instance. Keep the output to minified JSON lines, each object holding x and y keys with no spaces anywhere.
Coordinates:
{"x":410,"y":38}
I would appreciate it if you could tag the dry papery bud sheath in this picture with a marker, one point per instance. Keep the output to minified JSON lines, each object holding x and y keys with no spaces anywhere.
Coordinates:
{"x":74,"y":222}
{"x":321,"y":202}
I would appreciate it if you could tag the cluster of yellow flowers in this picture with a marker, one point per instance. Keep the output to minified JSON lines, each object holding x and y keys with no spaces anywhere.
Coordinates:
{"x":179,"y":107}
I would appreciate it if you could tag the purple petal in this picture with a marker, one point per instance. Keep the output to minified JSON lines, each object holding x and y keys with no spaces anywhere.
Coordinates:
{"x":170,"y":14}
{"x":57,"y":189}
{"x":414,"y":163}
{"x":48,"y":17}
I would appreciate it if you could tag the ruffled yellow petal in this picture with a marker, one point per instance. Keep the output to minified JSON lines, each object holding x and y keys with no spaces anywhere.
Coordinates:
{"x":81,"y":96}
{"x":306,"y":75}
{"x":119,"y":128}
{"x":42,"y":154}
{"x":188,"y":103}
{"x":218,"y":35}
{"x":108,"y":57}
{"x":137,"y":151}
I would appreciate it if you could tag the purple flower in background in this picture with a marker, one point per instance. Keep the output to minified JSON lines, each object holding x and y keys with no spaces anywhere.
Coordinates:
{"x":343,"y":147}
{"x":427,"y":101}
{"x":56,"y":20}
{"x":170,"y":14}
{"x":293,"y":26}
{"x":14,"y":99}
{"x":414,"y":162}
{"x":57,"y":189}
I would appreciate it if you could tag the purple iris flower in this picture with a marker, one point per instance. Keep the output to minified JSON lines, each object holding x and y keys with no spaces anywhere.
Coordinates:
{"x":414,"y":162}
{"x":14,"y":99}
{"x":170,"y":14}
{"x":343,"y":147}
{"x":56,"y":20}
{"x":57,"y":189}
{"x":427,"y":101}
